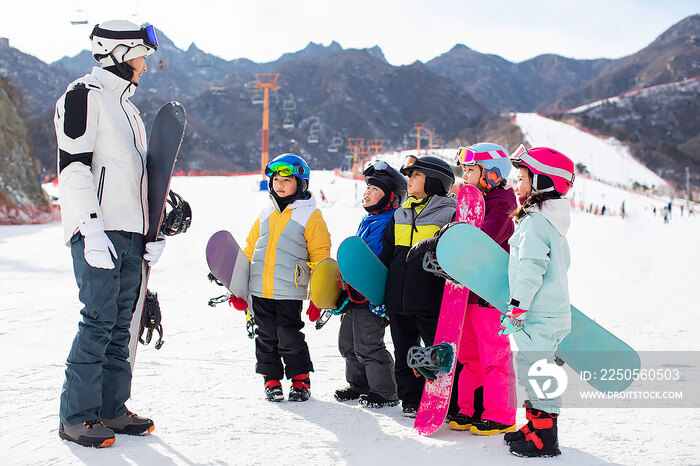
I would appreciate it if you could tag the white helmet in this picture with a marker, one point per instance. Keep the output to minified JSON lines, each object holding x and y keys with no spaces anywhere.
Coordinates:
{"x":118,"y":40}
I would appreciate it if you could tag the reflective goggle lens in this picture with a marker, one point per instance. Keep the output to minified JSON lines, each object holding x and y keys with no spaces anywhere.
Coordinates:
{"x":151,"y":38}
{"x":465,"y":156}
{"x":283,"y":168}
{"x":409,"y":161}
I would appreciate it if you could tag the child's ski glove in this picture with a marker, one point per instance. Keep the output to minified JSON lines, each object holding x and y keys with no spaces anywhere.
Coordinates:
{"x":239,"y":304}
{"x":313,"y":312}
{"x":513,"y":320}
{"x":98,"y":250}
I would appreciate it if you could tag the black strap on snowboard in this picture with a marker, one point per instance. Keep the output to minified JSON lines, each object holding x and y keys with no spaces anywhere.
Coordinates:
{"x":150,"y":320}
{"x":179,"y":218}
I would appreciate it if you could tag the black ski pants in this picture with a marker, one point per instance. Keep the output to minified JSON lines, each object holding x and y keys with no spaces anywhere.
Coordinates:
{"x":279,"y":338}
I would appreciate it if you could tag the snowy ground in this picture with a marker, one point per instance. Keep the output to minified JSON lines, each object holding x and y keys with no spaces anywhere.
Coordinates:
{"x":637,"y":276}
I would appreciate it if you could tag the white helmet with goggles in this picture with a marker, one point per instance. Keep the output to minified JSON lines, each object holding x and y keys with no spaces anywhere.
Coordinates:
{"x":493,"y":160}
{"x":117,"y":41}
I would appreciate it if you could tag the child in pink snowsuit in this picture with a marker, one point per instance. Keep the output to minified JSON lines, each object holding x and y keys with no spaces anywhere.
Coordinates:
{"x":486,"y":355}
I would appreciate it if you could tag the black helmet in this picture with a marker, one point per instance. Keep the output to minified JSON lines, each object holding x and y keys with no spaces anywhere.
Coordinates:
{"x":386,"y":177}
{"x":433,"y":167}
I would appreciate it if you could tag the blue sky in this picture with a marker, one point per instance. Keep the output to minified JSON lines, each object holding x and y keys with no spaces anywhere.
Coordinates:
{"x":406,"y":30}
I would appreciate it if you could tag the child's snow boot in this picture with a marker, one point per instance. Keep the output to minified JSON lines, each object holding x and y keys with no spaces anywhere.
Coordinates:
{"x":346,"y":394}
{"x":511,"y":437}
{"x":461,"y":421}
{"x":273,"y":390}
{"x":301,"y":388}
{"x":541,"y":439}
{"x":409,"y":410}
{"x":89,"y":434}
{"x":130,"y":424}
{"x":488,"y":427}
{"x":374,"y":400}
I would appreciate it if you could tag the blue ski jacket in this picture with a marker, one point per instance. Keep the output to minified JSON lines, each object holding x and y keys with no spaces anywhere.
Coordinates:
{"x":372,"y":228}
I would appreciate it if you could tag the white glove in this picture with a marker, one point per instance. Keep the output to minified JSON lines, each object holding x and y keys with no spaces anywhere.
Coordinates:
{"x":99,"y":250}
{"x":154,"y":249}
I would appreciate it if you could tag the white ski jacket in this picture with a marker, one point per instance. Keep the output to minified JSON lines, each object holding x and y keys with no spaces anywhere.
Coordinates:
{"x":101,"y":155}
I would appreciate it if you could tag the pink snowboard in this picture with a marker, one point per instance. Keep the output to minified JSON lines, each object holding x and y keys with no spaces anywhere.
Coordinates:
{"x":436,"y":395}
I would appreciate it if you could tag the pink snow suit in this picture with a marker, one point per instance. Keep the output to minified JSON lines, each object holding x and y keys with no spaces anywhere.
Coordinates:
{"x":487,"y":358}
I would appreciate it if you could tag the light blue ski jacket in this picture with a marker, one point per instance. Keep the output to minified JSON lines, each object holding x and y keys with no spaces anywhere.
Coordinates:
{"x":540,"y":259}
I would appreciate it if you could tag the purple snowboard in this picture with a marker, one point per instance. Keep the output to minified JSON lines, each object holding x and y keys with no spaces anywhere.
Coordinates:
{"x":436,"y":395}
{"x":228,"y":264}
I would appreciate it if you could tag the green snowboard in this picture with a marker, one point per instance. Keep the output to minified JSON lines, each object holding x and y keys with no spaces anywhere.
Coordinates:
{"x":479,"y":263}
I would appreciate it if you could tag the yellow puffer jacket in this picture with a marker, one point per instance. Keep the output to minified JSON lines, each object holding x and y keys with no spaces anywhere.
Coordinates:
{"x":283,"y":248}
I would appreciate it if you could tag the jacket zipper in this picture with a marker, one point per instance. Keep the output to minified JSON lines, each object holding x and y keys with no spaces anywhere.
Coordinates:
{"x":143,"y":167}
{"x":101,"y":186}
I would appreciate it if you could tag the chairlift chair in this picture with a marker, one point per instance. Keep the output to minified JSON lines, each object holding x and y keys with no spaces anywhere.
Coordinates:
{"x":332,"y":148}
{"x":289,"y":105}
{"x":288,"y":123}
{"x":312,"y":139}
{"x":257,"y":98}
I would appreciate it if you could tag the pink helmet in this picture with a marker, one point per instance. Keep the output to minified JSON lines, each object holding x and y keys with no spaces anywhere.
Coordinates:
{"x":555,"y":167}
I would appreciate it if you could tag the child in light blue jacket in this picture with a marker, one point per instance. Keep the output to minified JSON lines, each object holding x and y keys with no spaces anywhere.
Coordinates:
{"x":539,"y":313}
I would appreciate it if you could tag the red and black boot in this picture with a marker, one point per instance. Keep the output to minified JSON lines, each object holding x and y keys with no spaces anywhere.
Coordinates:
{"x":273,"y":390}
{"x":301,"y":388}
{"x":537,"y":438}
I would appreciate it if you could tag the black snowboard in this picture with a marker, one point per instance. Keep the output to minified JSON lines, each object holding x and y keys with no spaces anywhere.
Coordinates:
{"x":163,"y":147}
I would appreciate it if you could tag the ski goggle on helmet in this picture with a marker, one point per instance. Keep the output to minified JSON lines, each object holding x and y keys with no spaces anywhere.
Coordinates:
{"x":288,"y":165}
{"x":492,"y":158}
{"x":147,"y":34}
{"x":550,"y":163}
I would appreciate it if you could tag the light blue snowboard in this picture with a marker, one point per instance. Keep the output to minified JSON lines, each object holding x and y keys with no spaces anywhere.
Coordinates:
{"x":362,"y":269}
{"x":471,"y":257}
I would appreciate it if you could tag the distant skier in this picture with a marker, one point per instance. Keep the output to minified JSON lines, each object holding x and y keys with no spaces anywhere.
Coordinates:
{"x":414,"y":296}
{"x":101,"y":166}
{"x":487,"y":357}
{"x":285,"y":243}
{"x":369,"y":367}
{"x":539,"y":313}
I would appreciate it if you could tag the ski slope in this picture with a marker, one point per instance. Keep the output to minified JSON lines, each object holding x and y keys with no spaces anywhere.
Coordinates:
{"x":605,"y":159}
{"x":637,"y":276}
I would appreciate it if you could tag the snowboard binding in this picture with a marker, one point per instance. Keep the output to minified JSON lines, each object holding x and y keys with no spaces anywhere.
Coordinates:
{"x":179,"y":218}
{"x":430,"y":264}
{"x":224,"y":298}
{"x":150,"y":320}
{"x":324,"y":318}
{"x":429,"y":362}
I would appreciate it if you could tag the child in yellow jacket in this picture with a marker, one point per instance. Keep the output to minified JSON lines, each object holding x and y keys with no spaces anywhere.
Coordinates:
{"x":286,"y":241}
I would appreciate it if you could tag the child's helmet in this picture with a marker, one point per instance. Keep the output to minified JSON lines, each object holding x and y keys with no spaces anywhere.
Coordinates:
{"x":386,"y":177}
{"x":118,"y":40}
{"x":493,"y":160}
{"x":433,"y":167}
{"x":551,"y":170}
{"x":290,"y":165}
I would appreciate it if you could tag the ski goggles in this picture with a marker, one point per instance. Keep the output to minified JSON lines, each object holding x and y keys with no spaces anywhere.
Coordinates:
{"x":378,"y":166}
{"x":467,"y":156}
{"x":285,"y":169}
{"x":408,"y":162}
{"x":521,"y":155}
{"x":147,"y":34}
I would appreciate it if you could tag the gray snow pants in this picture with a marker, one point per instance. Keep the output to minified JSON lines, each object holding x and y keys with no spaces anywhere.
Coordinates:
{"x":98,"y":373}
{"x":369,"y":367}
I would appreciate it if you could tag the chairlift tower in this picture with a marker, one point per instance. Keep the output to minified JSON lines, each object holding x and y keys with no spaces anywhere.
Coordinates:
{"x":355,"y":144}
{"x":418,"y":127}
{"x":376,"y":145}
{"x":266,"y":82}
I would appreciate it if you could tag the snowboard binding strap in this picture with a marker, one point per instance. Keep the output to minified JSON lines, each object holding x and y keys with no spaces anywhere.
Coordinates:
{"x":429,"y":361}
{"x":430,"y":264}
{"x":150,"y":320}
{"x":179,"y":218}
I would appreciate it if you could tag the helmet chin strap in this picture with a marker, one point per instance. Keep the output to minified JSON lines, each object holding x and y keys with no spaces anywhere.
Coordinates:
{"x":126,"y":71}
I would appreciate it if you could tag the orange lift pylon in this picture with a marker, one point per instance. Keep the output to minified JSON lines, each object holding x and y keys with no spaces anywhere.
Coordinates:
{"x":376,"y":145}
{"x":418,"y":127}
{"x":355,"y":144}
{"x":363,"y":153}
{"x":266,"y":82}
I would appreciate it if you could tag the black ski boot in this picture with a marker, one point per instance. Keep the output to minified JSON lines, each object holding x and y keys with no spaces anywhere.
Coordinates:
{"x":373,"y":400}
{"x":461,"y":421}
{"x":409,"y":410}
{"x":273,"y":390}
{"x":511,"y":437}
{"x":88,"y":434}
{"x":346,"y":394}
{"x":538,"y":438}
{"x":488,"y":427}
{"x":301,"y":388}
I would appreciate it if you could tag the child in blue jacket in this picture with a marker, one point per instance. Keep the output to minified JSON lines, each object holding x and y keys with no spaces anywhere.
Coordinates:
{"x":369,"y":367}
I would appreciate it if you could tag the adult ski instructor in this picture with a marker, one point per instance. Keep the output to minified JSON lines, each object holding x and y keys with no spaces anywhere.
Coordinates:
{"x":104,"y":207}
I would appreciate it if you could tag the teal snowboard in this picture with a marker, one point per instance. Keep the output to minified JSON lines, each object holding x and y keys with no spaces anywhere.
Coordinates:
{"x":362,"y":269}
{"x":475,"y":260}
